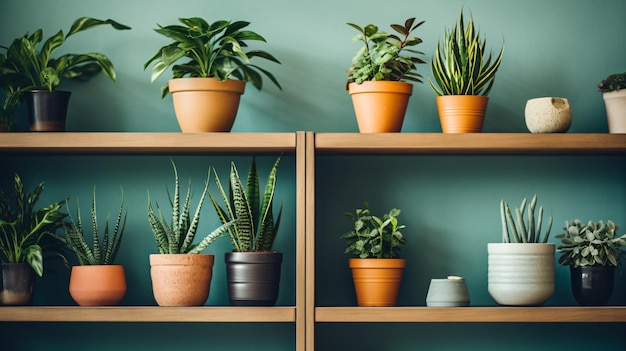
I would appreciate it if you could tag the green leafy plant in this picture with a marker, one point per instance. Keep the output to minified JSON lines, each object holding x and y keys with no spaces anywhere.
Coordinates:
{"x":613,"y":82}
{"x":178,"y":237}
{"x":372,"y":236}
{"x":381,"y":57}
{"x":214,"y":50}
{"x":459,"y":66}
{"x":31,"y":65}
{"x":523,"y":232}
{"x":256,"y":228}
{"x":101,"y":252}
{"x":28,"y":235}
{"x":591,"y":244}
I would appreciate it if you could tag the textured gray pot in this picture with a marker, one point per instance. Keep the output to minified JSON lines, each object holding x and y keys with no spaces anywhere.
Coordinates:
{"x":253,"y":277}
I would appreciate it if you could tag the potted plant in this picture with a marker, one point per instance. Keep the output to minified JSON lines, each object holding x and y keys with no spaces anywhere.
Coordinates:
{"x":253,"y":267}
{"x":379,"y":77}
{"x":38,"y":75}
{"x":464,"y":75}
{"x":27,"y":237}
{"x":96,"y":281}
{"x":591,"y":251}
{"x":613,"y":90}
{"x":206,"y":89}
{"x":521,"y":268}
{"x":377,"y":269}
{"x":181,"y":275}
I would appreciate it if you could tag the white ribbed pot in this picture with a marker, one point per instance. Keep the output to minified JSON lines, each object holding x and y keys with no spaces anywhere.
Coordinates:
{"x":521,"y":274}
{"x":615,"y":102}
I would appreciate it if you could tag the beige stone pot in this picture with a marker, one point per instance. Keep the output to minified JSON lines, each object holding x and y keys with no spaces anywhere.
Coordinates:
{"x":548,"y":115}
{"x":206,"y":104}
{"x":181,"y":279}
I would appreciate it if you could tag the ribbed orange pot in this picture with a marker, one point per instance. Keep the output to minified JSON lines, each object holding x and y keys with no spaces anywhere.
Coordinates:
{"x":462,"y":113}
{"x":99,"y":285}
{"x":380,"y":106}
{"x":206,"y":104}
{"x":377,"y":280}
{"x":181,"y":279}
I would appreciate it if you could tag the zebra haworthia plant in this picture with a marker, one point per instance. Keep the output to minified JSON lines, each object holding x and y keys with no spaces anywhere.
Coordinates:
{"x":178,"y":237}
{"x":101,"y":252}
{"x":523,"y":232}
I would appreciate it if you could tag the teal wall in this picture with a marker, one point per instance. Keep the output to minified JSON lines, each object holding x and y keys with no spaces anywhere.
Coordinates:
{"x":450,"y":203}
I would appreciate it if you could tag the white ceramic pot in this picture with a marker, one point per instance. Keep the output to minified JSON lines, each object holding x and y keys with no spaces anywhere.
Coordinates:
{"x":615,"y":102}
{"x":548,"y":115}
{"x":521,"y":274}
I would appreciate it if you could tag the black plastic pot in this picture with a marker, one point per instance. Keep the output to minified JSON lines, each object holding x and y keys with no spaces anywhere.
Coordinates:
{"x":592,"y":285}
{"x":253,"y":277}
{"x":17,"y":284}
{"x":47,"y":110}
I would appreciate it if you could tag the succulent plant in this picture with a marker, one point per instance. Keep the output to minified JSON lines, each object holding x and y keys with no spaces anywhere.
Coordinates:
{"x":178,"y":237}
{"x":614,"y":82}
{"x":100,"y":252}
{"x":523,"y":232}
{"x":591,"y":244}
{"x":380,"y":57}
{"x":372,"y":236}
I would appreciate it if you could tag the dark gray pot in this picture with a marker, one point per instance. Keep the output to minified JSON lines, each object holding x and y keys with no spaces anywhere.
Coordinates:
{"x":592,"y":285}
{"x":17,"y":284}
{"x":253,"y":277}
{"x":47,"y":110}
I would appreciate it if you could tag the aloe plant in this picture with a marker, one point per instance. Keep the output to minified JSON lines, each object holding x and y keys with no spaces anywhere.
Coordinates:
{"x":100,"y":252}
{"x":256,"y":228}
{"x":590,"y":244}
{"x":28,"y":235}
{"x":178,"y":237}
{"x":32,"y":64}
{"x":459,"y":66}
{"x":523,"y":232}
{"x":372,"y":236}
{"x":214,"y":50}
{"x":381,"y":56}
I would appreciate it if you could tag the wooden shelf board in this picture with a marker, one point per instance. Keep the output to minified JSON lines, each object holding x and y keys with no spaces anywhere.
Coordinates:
{"x":147,"y":143}
{"x":472,"y":143}
{"x":146,"y":314}
{"x":613,"y":314}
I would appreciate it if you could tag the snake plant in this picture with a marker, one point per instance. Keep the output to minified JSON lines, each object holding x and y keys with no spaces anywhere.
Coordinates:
{"x":256,"y":228}
{"x":100,"y":252}
{"x":523,"y":232}
{"x":459,"y":66}
{"x":178,"y":237}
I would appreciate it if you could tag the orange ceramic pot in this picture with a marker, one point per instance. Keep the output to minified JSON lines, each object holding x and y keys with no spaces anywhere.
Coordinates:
{"x":462,"y":113}
{"x":99,"y":285}
{"x":380,"y":106}
{"x":377,"y":280}
{"x":181,"y":279}
{"x":206,"y":104}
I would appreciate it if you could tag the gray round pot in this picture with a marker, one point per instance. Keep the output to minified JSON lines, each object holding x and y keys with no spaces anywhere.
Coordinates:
{"x":47,"y":110}
{"x":253,"y":277}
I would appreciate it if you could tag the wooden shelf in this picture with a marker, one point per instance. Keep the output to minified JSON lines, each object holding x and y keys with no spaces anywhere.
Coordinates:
{"x":605,"y":314}
{"x":147,"y":143}
{"x":477,"y":143}
{"x":146,"y":314}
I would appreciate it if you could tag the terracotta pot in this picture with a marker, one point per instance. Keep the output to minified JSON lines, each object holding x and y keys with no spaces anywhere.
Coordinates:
{"x":253,"y":277}
{"x":520,"y":274}
{"x":615,"y":103}
{"x":380,"y":106}
{"x":17,"y":284}
{"x":462,"y":113}
{"x":377,"y":280}
{"x":181,"y":279}
{"x":206,"y":104}
{"x":99,"y":285}
{"x":47,"y":110}
{"x":592,"y":285}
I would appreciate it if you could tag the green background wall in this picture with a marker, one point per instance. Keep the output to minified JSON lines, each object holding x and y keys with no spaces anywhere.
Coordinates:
{"x":450,"y":203}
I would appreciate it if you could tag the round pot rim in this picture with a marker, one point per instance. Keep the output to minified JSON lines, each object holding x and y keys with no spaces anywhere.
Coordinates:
{"x":380,"y":86}
{"x":178,"y":85}
{"x":254,"y":257}
{"x":520,"y":247}
{"x":356,"y":262}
